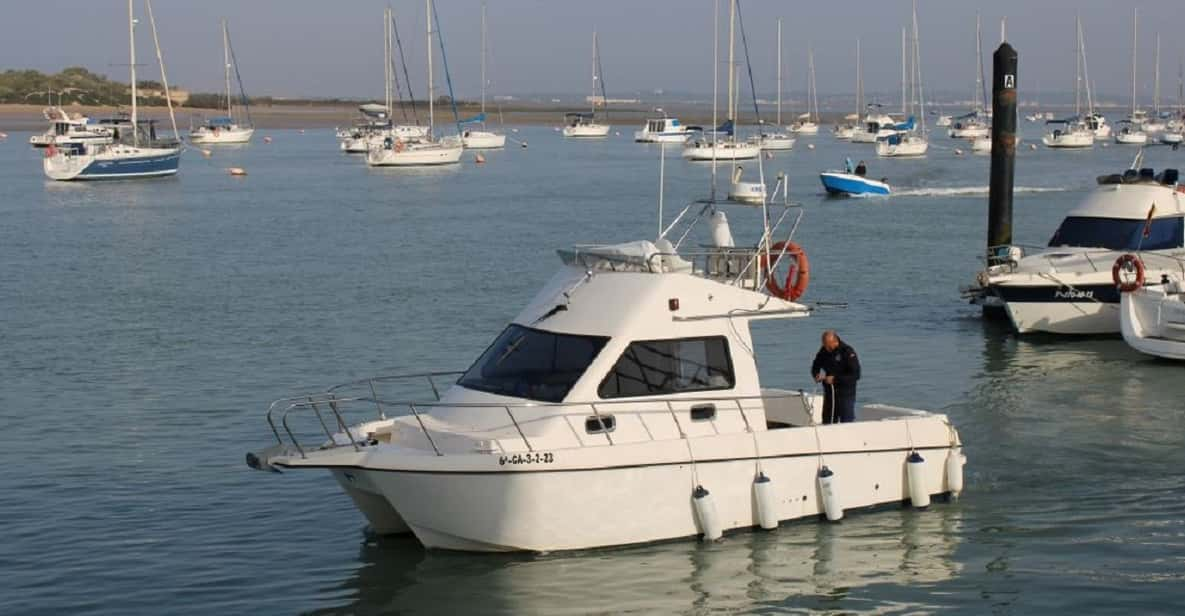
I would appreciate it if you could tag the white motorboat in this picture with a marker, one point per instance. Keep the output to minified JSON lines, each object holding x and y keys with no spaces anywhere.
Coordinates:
{"x":877,"y":125}
{"x":227,"y":128}
{"x":776,"y":141}
{"x":586,"y":124}
{"x":1067,"y":133}
{"x":481,"y":138}
{"x":1098,"y":125}
{"x":419,"y":151}
{"x":134,"y":153}
{"x":64,"y":128}
{"x":1069,"y":287}
{"x":662,"y":130}
{"x":623,"y":405}
{"x":1152,"y":316}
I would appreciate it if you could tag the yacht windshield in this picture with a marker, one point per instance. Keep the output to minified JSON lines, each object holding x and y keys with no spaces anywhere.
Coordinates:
{"x":533,"y":364}
{"x":1120,"y":233}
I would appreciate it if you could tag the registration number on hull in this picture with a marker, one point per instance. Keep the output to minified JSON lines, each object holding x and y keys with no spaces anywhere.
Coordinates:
{"x":526,"y":458}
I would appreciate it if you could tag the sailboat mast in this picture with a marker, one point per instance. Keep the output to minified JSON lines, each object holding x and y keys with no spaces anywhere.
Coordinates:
{"x":1135,"y":33}
{"x":859,"y":82}
{"x":814,"y":87}
{"x":483,"y":56}
{"x":226,"y":63}
{"x":1156,"y":81}
{"x":431,"y":86}
{"x":917,"y":67}
{"x":904,"y":109}
{"x":593,"y":99}
{"x":779,"y":120}
{"x":732,"y":11}
{"x":132,"y":66}
{"x":387,"y":58}
{"x":715,"y":91}
{"x":980,"y":82}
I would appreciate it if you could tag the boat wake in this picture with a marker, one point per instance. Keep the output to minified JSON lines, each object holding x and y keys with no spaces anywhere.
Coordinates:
{"x":962,"y":191}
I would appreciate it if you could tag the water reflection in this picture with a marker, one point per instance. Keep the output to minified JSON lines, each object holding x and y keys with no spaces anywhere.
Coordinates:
{"x":808,"y":565}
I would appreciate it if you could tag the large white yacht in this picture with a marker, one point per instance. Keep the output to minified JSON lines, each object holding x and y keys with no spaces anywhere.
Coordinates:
{"x":65,"y":128}
{"x":662,"y":130}
{"x":622,"y":405}
{"x":1070,"y":287}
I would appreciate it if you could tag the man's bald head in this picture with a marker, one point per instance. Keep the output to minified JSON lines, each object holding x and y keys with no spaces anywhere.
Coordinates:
{"x":830,"y":339}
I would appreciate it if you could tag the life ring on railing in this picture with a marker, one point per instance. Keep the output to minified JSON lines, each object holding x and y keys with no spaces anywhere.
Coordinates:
{"x":797,"y":278}
{"x":1124,"y":264}
{"x":399,"y":145}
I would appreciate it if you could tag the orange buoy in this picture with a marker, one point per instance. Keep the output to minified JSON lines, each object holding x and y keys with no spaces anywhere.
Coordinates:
{"x":797,"y":278}
{"x":1128,"y":263}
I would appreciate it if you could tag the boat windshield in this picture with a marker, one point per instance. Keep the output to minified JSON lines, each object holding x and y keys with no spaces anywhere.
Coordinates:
{"x":533,"y":364}
{"x":1120,"y":233}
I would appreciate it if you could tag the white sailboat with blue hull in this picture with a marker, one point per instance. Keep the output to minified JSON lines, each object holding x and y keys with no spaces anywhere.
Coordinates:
{"x":134,"y":151}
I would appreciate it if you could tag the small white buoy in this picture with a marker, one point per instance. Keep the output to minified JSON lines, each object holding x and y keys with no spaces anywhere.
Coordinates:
{"x":3,"y":135}
{"x":302,"y":131}
{"x":207,"y":153}
{"x":514,"y":130}
{"x":954,"y":471}
{"x":237,"y":171}
{"x":763,"y":490}
{"x":915,"y":466}
{"x":1032,"y":146}
{"x":828,"y":491}
{"x":705,"y":512}
{"x":810,"y":146}
{"x":617,"y":133}
{"x":524,"y":144}
{"x":556,"y":129}
{"x":479,"y":158}
{"x":1105,"y":144}
{"x":267,"y":139}
{"x":958,"y":152}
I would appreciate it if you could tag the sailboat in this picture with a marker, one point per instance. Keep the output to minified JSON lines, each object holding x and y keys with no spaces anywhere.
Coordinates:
{"x":480,"y":138}
{"x":1073,"y":132}
{"x":776,"y":139}
{"x":808,"y":123}
{"x":910,"y":140}
{"x":1174,"y":131}
{"x":974,"y":124}
{"x":134,"y":150}
{"x":1131,"y":130}
{"x":227,"y":128}
{"x":851,"y":124}
{"x":397,"y":151}
{"x":586,"y":124}
{"x":722,"y":143}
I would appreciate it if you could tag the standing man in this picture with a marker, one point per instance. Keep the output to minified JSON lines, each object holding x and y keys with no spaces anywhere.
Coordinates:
{"x":837,"y":368}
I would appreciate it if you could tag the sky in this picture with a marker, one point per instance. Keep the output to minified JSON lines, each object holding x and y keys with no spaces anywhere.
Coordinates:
{"x":333,"y":48}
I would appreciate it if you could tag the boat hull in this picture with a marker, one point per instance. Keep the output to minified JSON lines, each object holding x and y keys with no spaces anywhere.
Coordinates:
{"x":149,"y":163}
{"x":414,"y":156}
{"x":722,"y":151}
{"x":578,"y":502}
{"x":483,"y":140}
{"x":850,"y":184}
{"x":910,"y":148}
{"x":587,"y":131}
{"x":1153,"y":322}
{"x":649,"y":137}
{"x":1055,"y":309}
{"x":1069,"y":140}
{"x":222,"y":135}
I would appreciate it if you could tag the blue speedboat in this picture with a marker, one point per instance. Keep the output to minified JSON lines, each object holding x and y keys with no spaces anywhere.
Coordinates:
{"x":851,"y":184}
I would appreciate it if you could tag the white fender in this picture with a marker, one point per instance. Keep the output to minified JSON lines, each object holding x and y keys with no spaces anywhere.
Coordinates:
{"x":705,"y":512}
{"x":829,"y":492}
{"x":915,"y":470}
{"x":763,"y":491}
{"x":721,"y":233}
{"x":954,"y":471}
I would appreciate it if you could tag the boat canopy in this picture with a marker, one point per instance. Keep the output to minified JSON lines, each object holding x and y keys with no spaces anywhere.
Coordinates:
{"x":728,"y":128}
{"x":477,"y":119}
{"x":906,"y":125}
{"x":373,"y":109}
{"x":220,"y":121}
{"x":579,"y":114}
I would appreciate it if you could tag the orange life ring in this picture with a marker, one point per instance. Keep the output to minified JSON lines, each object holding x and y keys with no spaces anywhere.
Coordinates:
{"x":799,"y":274}
{"x":1128,"y":262}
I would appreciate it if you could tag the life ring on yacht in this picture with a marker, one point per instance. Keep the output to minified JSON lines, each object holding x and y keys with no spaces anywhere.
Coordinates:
{"x":797,"y":278}
{"x":1128,"y":263}
{"x":399,"y":145}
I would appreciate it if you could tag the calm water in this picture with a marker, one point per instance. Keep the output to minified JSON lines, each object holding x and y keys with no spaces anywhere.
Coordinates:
{"x":146,"y":325}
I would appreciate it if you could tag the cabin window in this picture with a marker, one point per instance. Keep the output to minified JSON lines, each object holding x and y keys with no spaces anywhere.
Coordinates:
{"x":656,"y":367}
{"x":1120,"y":233}
{"x":533,"y":364}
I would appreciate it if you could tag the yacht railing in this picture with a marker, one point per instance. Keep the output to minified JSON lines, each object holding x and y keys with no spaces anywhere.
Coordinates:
{"x":332,"y":412}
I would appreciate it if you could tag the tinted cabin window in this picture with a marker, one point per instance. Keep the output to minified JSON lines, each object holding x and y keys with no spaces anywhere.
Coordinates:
{"x":1119,"y":233}
{"x":532,"y":364}
{"x":656,"y":367}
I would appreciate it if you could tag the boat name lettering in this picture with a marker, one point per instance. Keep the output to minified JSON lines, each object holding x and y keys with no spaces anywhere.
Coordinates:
{"x":1073,"y":294}
{"x":527,"y":458}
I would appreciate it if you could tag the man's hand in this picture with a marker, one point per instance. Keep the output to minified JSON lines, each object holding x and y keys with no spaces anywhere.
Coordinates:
{"x":819,"y":378}
{"x":830,"y":380}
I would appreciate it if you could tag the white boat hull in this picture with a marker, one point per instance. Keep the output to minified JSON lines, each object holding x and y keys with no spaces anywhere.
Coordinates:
{"x":578,"y":501}
{"x":113,"y":163}
{"x":749,"y":193}
{"x":721,"y":151}
{"x":1131,"y":138}
{"x":235,"y":134}
{"x":1069,"y":140}
{"x":1171,"y":138}
{"x":642,"y":136}
{"x":416,"y":155}
{"x":982,"y":145}
{"x":970,"y":132}
{"x":586,"y":130}
{"x":1152,"y":322}
{"x":907,"y":148}
{"x":777,"y":142}
{"x":805,"y":128}
{"x":483,"y":140}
